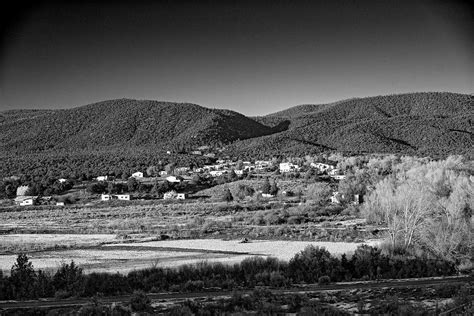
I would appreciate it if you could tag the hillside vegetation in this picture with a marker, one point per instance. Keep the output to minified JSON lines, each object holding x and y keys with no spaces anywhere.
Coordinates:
{"x":124,"y":122}
{"x":423,"y":124}
{"x":436,"y":124}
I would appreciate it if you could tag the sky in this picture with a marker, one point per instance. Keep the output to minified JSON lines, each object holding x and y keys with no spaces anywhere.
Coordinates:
{"x":254,"y":57}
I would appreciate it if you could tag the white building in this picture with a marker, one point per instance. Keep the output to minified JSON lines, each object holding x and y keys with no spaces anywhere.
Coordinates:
{"x":322,"y":167}
{"x":288,"y":167}
{"x":181,"y":196}
{"x":137,"y":175}
{"x":123,"y":197}
{"x":59,"y":203}
{"x":26,"y":200}
{"x":216,"y":173}
{"x":106,"y":197}
{"x":173,"y":179}
{"x":169,"y":195}
{"x":62,"y":180}
{"x":163,"y":173}
{"x":338,"y":177}
{"x":102,"y":178}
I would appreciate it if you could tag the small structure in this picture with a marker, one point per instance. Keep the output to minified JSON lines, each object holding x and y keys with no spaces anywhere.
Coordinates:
{"x":59,"y":203}
{"x":102,"y":178}
{"x":288,"y":167}
{"x":163,"y":173}
{"x":181,"y":196}
{"x":106,"y":197}
{"x":21,"y":190}
{"x":62,"y":180}
{"x":196,"y":152}
{"x":239,"y":172}
{"x":123,"y":197}
{"x":267,"y":195}
{"x":338,"y":177}
{"x":170,"y":195}
{"x":26,"y":200}
{"x":216,"y":173}
{"x":174,"y":179}
{"x":323,"y":167}
{"x":137,"y":175}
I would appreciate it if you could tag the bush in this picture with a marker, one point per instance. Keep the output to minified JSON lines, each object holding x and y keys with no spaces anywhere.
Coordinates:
{"x":140,"y":302}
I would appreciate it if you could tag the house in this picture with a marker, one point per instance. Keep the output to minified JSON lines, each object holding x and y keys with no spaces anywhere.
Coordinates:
{"x":110,"y":197}
{"x":181,"y":196}
{"x":239,"y":172}
{"x":338,"y":177}
{"x":174,"y":179}
{"x":102,"y":178}
{"x":29,"y":201}
{"x":216,"y":173}
{"x":210,"y":155}
{"x":59,"y":203}
{"x":323,"y":167}
{"x":137,"y":175}
{"x":267,"y":195}
{"x":182,"y":170}
{"x":169,"y":195}
{"x":196,"y":152}
{"x":106,"y":197}
{"x":123,"y":197}
{"x":334,"y":172}
{"x":21,"y":190}
{"x":62,"y":180}
{"x":288,"y":167}
{"x":163,"y":173}
{"x":168,"y":152}
{"x":26,"y":200}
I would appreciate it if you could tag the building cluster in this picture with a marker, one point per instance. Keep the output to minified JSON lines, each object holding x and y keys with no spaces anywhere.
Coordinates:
{"x":219,"y":168}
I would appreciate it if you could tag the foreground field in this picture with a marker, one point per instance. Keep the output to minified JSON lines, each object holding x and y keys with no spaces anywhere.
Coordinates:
{"x":115,"y":256}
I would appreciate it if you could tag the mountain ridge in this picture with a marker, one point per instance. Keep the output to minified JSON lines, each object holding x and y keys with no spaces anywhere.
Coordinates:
{"x":431,"y":123}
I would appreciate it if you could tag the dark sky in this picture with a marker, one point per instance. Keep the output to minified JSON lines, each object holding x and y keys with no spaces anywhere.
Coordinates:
{"x":254,"y":57}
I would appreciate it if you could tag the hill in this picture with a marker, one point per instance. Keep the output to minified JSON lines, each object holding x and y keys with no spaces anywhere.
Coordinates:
{"x":123,"y":123}
{"x":435,"y":124}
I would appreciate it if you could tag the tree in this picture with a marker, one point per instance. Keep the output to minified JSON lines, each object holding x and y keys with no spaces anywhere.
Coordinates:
{"x":227,"y":196}
{"x":23,"y":277}
{"x":266,"y":187}
{"x":402,"y":206}
{"x":69,"y":278}
{"x":319,"y":192}
{"x":132,"y":184}
{"x":152,"y":171}
{"x":244,"y":191}
{"x":274,"y":188}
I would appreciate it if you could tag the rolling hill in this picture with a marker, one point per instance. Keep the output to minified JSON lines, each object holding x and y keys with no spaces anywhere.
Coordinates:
{"x":123,"y":123}
{"x":435,"y":124}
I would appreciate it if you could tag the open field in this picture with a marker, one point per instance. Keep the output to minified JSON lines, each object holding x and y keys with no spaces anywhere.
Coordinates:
{"x":124,"y":257}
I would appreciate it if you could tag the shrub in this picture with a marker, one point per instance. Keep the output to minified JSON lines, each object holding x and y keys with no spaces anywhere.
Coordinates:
{"x":140,"y":302}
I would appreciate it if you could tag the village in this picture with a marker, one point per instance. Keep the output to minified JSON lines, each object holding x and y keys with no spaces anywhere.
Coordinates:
{"x":181,"y":182}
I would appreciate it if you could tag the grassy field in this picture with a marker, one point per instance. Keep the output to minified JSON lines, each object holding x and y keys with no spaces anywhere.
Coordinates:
{"x":124,"y":257}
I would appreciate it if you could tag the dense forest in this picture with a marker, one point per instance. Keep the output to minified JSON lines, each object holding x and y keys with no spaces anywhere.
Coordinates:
{"x":118,"y":136}
{"x":428,"y":124}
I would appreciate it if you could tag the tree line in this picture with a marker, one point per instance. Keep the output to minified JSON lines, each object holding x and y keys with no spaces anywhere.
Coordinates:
{"x":311,"y":265}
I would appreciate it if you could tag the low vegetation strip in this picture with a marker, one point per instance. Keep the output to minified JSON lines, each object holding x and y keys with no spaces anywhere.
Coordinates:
{"x":312,"y":265}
